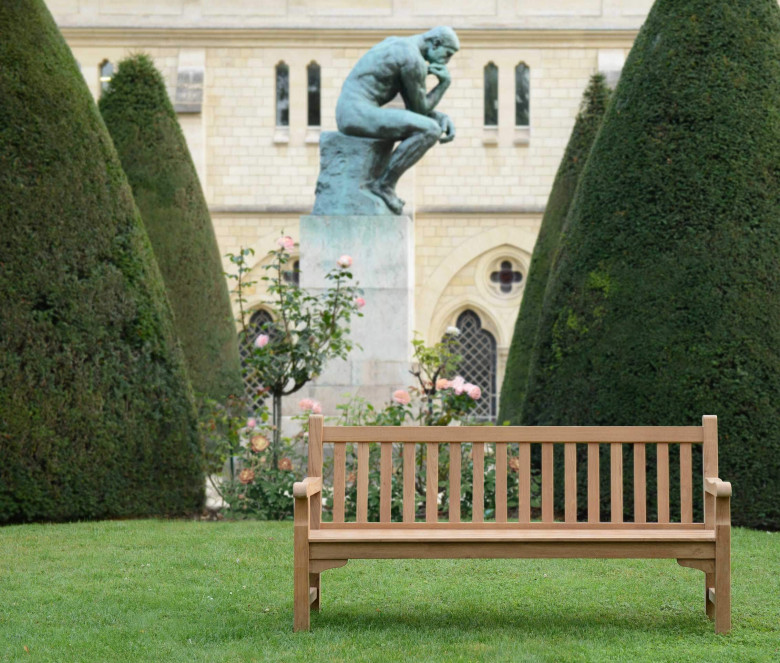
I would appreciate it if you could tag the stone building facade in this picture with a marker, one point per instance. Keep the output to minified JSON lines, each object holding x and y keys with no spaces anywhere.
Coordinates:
{"x":246,"y":77}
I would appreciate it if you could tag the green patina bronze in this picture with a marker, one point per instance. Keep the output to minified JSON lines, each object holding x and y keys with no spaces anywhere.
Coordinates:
{"x":368,"y":130}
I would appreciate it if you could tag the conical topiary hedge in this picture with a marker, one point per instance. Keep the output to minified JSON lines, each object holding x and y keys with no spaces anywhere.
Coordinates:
{"x":594,"y":103}
{"x":166,"y":189}
{"x":664,"y":302}
{"x":96,"y":412}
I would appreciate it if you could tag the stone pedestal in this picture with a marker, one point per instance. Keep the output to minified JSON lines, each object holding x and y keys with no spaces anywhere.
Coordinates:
{"x":347,"y":166}
{"x":382,"y":251}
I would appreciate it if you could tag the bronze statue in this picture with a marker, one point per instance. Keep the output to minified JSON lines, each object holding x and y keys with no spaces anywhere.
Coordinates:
{"x":399,"y":65}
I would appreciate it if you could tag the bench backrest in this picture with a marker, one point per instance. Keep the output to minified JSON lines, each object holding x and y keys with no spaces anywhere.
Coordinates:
{"x":509,"y":449}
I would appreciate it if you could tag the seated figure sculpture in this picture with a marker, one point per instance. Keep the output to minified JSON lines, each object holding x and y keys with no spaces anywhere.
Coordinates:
{"x":399,"y":65}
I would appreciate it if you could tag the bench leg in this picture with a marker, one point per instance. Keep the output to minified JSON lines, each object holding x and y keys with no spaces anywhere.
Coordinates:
{"x":722,"y":580}
{"x":301,"y":567}
{"x":314,"y":581}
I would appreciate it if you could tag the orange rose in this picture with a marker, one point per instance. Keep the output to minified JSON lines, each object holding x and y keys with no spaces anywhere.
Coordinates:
{"x":285,"y":464}
{"x":258,"y":443}
{"x":246,"y":475}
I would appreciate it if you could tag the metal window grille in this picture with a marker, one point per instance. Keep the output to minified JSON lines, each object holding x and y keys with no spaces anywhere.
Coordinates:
{"x":477,"y":348}
{"x":252,"y":382}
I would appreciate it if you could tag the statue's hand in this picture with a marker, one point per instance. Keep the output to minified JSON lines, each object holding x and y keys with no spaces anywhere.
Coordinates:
{"x":447,"y":127}
{"x":441,"y":72}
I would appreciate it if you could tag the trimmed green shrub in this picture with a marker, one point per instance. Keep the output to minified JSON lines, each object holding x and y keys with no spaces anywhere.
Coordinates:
{"x":664,"y":300}
{"x":594,"y":103}
{"x":154,"y":155}
{"x":96,"y":412}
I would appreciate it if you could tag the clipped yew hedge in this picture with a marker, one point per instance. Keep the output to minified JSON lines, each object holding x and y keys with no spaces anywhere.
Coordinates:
{"x":96,"y":412}
{"x":586,"y":125}
{"x":154,"y":155}
{"x":664,"y":300}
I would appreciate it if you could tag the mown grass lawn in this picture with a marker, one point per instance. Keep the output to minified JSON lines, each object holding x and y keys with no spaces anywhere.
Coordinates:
{"x":197,"y":591}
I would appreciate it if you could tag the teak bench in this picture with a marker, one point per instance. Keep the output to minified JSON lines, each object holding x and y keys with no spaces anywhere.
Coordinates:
{"x":325,"y":545}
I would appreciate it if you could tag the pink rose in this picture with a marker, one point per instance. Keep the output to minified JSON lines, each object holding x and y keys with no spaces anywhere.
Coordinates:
{"x":262,"y":340}
{"x":443,"y":383}
{"x":251,"y":423}
{"x":360,"y":302}
{"x":402,"y":397}
{"x":458,"y":385}
{"x":306,"y":404}
{"x":286,"y":243}
{"x":344,"y":261}
{"x":316,"y":408}
{"x":475,"y":392}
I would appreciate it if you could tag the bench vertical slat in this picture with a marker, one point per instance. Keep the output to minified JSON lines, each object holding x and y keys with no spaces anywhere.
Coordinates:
{"x":570,"y":490}
{"x":616,"y":492}
{"x":593,"y":483}
{"x":339,"y":480}
{"x":640,"y":484}
{"x":409,"y":505}
{"x":478,"y":481}
{"x":385,"y":481}
{"x":548,"y":492}
{"x":686,"y":485}
{"x":500,"y":483}
{"x":662,"y":449}
{"x":524,"y":492}
{"x":455,"y":482}
{"x":432,"y":482}
{"x":362,"y":482}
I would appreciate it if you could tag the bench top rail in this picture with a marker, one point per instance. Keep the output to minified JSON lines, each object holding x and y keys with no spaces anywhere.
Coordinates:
{"x":509,"y":434}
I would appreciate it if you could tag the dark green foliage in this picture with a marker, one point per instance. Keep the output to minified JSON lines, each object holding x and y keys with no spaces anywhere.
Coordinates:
{"x":96,"y":413}
{"x":155,"y":157}
{"x":594,"y":103}
{"x":664,"y":300}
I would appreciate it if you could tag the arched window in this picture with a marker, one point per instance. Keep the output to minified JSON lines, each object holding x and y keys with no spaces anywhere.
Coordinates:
{"x":491,"y":95}
{"x":313,"y":87}
{"x":282,"y":95}
{"x":106,"y":70}
{"x":260,"y":322}
{"x":477,"y":349}
{"x":522,"y":95}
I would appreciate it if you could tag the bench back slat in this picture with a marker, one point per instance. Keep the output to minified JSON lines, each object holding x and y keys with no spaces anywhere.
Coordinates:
{"x":524,"y":486}
{"x":409,"y":503}
{"x":662,"y":466}
{"x":501,"y":483}
{"x":362,"y":482}
{"x":478,"y":482}
{"x":455,"y":470}
{"x":616,"y":483}
{"x":506,"y":454}
{"x":594,"y":496}
{"x":686,"y":483}
{"x":432,"y":482}
{"x":570,"y":482}
{"x":386,"y":483}
{"x":548,"y":487}
{"x":640,"y":484}
{"x":339,"y":480}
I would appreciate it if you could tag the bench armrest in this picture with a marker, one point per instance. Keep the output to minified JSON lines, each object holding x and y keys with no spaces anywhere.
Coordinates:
{"x":306,"y":488}
{"x":716,"y":487}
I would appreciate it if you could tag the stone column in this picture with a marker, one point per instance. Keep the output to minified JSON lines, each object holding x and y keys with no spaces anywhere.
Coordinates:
{"x":382,"y":251}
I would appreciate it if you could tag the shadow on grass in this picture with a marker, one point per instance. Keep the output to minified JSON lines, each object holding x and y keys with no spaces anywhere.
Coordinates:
{"x":515,"y":619}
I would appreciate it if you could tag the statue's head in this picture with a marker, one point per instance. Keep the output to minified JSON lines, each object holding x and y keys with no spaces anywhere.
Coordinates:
{"x":441,"y":43}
